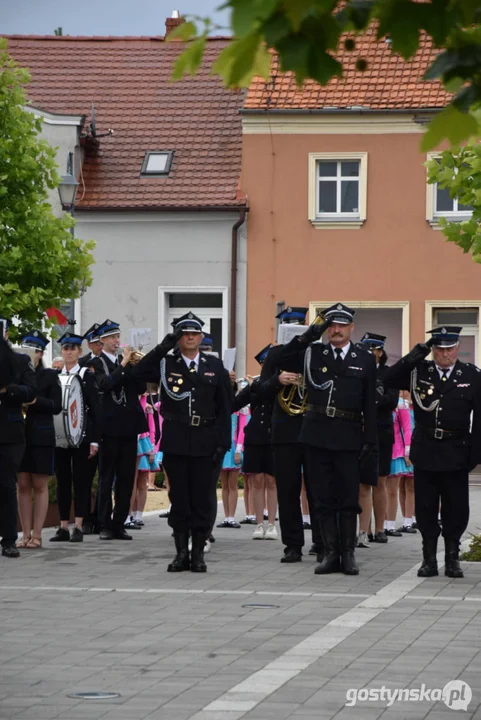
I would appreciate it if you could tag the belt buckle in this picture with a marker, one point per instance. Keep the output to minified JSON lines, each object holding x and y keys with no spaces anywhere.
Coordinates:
{"x":438,"y":434}
{"x":330,"y":411}
{"x":195,"y":420}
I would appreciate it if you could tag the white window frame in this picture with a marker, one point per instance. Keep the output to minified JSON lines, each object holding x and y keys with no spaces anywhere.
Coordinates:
{"x":336,"y":221}
{"x":432,"y":305}
{"x":432,"y":215}
{"x":402,"y":305}
{"x":163,"y":304}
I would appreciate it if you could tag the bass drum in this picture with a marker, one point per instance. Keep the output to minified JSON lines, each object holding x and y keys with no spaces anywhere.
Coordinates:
{"x":70,"y":422}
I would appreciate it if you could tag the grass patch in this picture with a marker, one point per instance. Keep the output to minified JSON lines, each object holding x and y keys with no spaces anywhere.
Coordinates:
{"x":473,"y":554}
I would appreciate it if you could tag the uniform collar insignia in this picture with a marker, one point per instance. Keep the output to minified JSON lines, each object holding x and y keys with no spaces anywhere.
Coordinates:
{"x":459,"y":372}
{"x":326,"y":352}
{"x":431,"y":369}
{"x":353,"y":354}
{"x":202,"y":359}
{"x":179,"y":359}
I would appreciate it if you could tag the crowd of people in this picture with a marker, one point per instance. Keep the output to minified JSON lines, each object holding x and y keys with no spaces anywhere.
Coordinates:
{"x":327,"y":438}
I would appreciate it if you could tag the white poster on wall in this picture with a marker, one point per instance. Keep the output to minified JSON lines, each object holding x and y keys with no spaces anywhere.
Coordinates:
{"x":140,"y":337}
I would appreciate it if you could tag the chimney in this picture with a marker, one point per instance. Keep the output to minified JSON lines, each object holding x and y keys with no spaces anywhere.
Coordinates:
{"x":173,"y":22}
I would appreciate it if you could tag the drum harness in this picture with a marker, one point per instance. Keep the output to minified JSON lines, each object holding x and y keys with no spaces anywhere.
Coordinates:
{"x":118,"y":399}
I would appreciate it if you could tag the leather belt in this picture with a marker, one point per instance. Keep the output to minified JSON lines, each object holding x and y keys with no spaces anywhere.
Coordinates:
{"x":439,"y":433}
{"x":191,"y":420}
{"x":334,"y":412}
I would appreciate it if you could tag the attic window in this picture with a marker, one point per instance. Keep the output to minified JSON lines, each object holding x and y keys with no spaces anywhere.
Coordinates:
{"x":157,"y":163}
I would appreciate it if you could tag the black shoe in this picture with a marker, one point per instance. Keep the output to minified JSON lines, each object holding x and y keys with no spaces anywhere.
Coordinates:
{"x":380,"y":537}
{"x":452,"y":567}
{"x":315,"y":549}
{"x":181,"y":561}
{"x":61,"y":536}
{"x":414,"y":525}
{"x":429,"y":567}
{"x":348,"y":534}
{"x":228,"y":524}
{"x":291,"y":555}
{"x":307,"y":526}
{"x":331,"y":561}
{"x":122,"y":535}
{"x":164,"y":514}
{"x":246,"y":521}
{"x":77,"y":535}
{"x":407,"y":529}
{"x":10,"y":551}
{"x":87,"y":528}
{"x":370,"y":537}
{"x":394,"y":533}
{"x":106,"y":535}
{"x":197,"y":562}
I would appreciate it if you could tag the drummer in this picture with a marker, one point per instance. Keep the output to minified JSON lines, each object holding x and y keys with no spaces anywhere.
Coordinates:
{"x":74,"y":465}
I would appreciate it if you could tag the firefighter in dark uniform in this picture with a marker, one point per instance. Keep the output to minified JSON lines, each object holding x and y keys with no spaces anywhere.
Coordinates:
{"x":121,"y":420}
{"x":444,"y":445}
{"x":17,"y":386}
{"x":288,"y":451}
{"x":338,"y":430}
{"x":95,"y":346}
{"x":258,"y":461}
{"x":196,"y":405}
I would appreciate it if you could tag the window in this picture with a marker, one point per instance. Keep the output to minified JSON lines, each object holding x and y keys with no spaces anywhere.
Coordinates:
{"x":440,"y":204}
{"x":157,"y":164}
{"x":464,"y":314}
{"x":337,"y":190}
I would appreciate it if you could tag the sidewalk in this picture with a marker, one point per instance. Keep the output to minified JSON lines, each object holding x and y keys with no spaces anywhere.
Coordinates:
{"x":249,"y":639}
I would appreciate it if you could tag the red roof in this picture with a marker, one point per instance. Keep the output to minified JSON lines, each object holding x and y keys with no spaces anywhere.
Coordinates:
{"x":389,"y":83}
{"x":128,"y":80}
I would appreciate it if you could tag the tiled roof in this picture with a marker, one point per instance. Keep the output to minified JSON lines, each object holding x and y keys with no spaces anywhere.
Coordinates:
{"x":389,"y":83}
{"x":128,"y":80}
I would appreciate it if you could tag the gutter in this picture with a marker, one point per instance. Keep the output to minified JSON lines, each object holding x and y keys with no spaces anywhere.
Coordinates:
{"x":233,"y":276}
{"x":354,"y":110}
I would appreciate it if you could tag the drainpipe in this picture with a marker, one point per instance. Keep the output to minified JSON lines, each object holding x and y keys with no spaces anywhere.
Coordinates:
{"x":233,"y":277}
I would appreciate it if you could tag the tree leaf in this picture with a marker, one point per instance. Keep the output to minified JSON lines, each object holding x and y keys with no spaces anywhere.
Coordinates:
{"x":185,"y":31}
{"x":248,"y":14}
{"x":449,"y":124}
{"x":190,"y":60}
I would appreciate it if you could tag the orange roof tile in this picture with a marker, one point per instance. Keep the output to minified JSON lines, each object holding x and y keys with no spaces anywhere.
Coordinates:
{"x":128,"y":81}
{"x":389,"y":83}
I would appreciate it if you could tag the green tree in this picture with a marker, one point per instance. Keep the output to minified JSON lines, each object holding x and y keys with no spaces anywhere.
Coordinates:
{"x":41,"y":264}
{"x":306,"y":34}
{"x":459,"y":171}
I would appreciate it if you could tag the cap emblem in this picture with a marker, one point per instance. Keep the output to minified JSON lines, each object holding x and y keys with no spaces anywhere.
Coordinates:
{"x":339,"y":307}
{"x":444,"y":331}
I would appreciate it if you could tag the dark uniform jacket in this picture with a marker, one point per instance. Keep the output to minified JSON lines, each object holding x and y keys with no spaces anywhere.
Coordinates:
{"x":22,"y":388}
{"x":352,"y":390}
{"x":7,"y":363}
{"x":120,"y":413}
{"x":87,"y":359}
{"x":196,"y":407}
{"x":386,"y":402}
{"x":39,"y":427}
{"x":258,"y":429}
{"x":442,"y":406}
{"x":285,"y":428}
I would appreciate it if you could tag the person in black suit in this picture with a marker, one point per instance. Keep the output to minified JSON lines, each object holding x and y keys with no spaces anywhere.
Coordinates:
{"x":94,"y":345}
{"x":446,"y":442}
{"x":258,"y":464}
{"x":339,"y":429}
{"x":373,"y":491}
{"x":17,"y":386}
{"x":121,"y":419}
{"x":38,"y":459}
{"x":73,"y":465}
{"x":288,"y":451}
{"x":196,"y":406}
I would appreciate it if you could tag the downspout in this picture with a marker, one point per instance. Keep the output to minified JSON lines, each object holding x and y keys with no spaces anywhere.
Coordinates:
{"x":233,"y":277}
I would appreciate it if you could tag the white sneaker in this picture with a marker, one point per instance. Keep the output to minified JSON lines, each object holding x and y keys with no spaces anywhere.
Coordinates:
{"x":363,"y":540}
{"x":207,"y":546}
{"x":271,"y":533}
{"x":258,"y":533}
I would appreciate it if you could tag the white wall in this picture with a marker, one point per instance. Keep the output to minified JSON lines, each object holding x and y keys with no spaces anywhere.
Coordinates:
{"x":139,"y":252}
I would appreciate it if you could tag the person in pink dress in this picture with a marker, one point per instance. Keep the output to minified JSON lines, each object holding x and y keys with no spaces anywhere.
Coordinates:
{"x":401,"y":478}
{"x":229,"y":475}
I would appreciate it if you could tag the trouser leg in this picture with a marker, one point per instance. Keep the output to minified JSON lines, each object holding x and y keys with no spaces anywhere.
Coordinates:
{"x":288,"y":475}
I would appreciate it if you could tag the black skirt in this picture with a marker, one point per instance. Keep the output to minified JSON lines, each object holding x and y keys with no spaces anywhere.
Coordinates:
{"x":38,"y":459}
{"x":258,"y":459}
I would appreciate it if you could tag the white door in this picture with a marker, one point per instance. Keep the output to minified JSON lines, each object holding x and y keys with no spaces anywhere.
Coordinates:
{"x":209,"y":304}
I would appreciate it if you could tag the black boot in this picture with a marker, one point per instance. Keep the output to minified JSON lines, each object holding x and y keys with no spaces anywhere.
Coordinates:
{"x":181,"y":560}
{"x":348,"y":533}
{"x":197,"y":562}
{"x":331,"y":562}
{"x":429,"y":567}
{"x":452,"y":567}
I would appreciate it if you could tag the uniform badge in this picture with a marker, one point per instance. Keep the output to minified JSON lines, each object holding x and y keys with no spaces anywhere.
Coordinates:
{"x":324,"y":369}
{"x":353,"y":354}
{"x":325,"y":352}
{"x":423,"y":396}
{"x":430,"y":369}
{"x":430,"y":391}
{"x":171,"y":379}
{"x":203,"y":359}
{"x":175,"y":389}
{"x":180,"y":381}
{"x":459,"y":372}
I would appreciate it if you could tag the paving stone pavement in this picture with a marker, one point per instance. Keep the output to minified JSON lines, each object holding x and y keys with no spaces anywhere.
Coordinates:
{"x":249,"y":639}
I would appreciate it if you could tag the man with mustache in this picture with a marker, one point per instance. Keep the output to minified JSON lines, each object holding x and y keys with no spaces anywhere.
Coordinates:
{"x":338,"y":430}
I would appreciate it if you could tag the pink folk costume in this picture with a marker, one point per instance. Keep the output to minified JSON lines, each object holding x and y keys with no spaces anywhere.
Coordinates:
{"x":146,"y":441}
{"x":403,"y":426}
{"x":239,"y":421}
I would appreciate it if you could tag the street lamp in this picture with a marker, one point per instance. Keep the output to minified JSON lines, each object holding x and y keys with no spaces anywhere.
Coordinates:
{"x":68,"y":187}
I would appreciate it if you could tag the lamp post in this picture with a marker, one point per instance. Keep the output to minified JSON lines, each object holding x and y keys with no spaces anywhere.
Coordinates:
{"x":67,"y":191}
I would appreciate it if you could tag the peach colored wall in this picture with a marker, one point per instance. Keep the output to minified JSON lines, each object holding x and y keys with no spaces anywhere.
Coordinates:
{"x":396,"y":255}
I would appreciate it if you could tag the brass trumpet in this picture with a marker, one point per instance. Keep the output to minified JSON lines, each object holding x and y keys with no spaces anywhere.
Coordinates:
{"x":290,"y":399}
{"x":136,"y":356}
